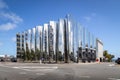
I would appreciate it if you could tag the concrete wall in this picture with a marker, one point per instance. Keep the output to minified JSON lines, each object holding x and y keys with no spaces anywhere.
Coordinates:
{"x":99,"y":46}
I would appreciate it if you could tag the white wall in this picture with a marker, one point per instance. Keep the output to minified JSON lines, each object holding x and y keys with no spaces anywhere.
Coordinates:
{"x":99,"y":49}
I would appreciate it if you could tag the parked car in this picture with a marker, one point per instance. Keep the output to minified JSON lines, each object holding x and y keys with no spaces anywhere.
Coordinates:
{"x":118,"y":61}
{"x":13,"y":59}
{"x":2,"y":60}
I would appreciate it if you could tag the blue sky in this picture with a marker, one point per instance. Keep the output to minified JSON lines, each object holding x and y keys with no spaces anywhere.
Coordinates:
{"x":101,"y":17}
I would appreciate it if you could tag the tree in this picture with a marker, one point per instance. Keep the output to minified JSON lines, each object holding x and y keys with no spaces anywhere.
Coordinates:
{"x":71,"y":56}
{"x":112,"y":56}
{"x":32,"y":55}
{"x":105,"y":53}
{"x":28,"y":55}
{"x":23,"y":55}
{"x":38,"y":54}
{"x":60,"y":56}
{"x":108,"y":56}
{"x":27,"y":52}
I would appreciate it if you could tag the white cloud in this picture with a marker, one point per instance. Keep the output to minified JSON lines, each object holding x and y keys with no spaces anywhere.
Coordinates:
{"x":7,"y":26}
{"x":12,"y":20}
{"x":3,"y":4}
{"x":14,"y":39}
{"x":12,"y":17}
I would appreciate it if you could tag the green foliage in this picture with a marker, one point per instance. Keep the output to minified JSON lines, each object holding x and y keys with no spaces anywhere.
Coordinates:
{"x":23,"y":55}
{"x":71,"y":56}
{"x":105,"y":53}
{"x":60,"y":56}
{"x":32,"y":55}
{"x":108,"y":56}
{"x":44,"y":55}
{"x":28,"y":55}
{"x":38,"y":54}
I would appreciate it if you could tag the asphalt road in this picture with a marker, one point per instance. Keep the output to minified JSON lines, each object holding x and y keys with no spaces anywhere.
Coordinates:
{"x":81,"y":71}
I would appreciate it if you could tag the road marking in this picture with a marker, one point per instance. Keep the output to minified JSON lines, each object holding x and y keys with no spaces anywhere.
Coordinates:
{"x":111,"y":65}
{"x":113,"y":79}
{"x":84,"y":76}
{"x":39,"y":74}
{"x":15,"y":67}
{"x":22,"y":73}
{"x":33,"y":68}
{"x":36,"y":67}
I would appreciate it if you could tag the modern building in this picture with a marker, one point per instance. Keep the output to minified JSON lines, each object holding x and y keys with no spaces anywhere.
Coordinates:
{"x":59,"y":41}
{"x":99,"y":50}
{"x":18,"y":45}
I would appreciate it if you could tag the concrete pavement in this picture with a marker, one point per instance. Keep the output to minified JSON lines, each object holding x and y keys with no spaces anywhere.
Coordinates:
{"x":36,"y":71}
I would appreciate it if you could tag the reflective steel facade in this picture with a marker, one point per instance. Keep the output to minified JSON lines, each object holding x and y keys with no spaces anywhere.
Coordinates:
{"x":57,"y":41}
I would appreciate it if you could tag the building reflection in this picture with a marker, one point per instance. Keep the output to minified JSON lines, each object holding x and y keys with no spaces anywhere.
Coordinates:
{"x":64,"y":40}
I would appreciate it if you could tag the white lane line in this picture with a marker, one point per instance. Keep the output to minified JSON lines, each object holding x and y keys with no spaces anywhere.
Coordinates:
{"x":32,"y":68}
{"x":4,"y":66}
{"x":40,"y":74}
{"x":36,"y":67}
{"x":111,"y":65}
{"x":22,"y":73}
{"x":113,"y":79}
{"x":9,"y":67}
{"x":15,"y":67}
{"x":84,"y":76}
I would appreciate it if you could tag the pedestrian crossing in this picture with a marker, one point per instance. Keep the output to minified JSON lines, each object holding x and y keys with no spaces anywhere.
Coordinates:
{"x":111,"y":65}
{"x":36,"y":68}
{"x":32,"y":68}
